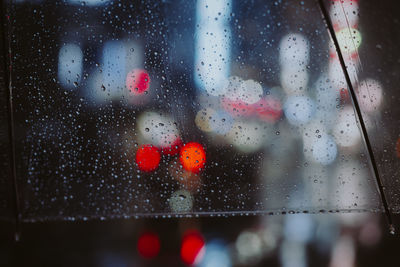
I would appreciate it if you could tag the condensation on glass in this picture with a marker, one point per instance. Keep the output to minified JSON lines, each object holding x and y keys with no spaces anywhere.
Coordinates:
{"x":371,"y":56}
{"x":164,"y":108}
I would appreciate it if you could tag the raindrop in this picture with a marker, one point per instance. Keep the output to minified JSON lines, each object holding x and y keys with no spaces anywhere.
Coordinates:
{"x":392,"y":230}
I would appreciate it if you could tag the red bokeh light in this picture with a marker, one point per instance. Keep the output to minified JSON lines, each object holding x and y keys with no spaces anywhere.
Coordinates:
{"x":344,"y":96}
{"x":193,"y":157}
{"x":138,"y":81}
{"x":269,"y":109}
{"x":192,"y":249}
{"x":148,"y":245}
{"x":148,"y":158}
{"x":237,"y":108}
{"x":172,"y":149}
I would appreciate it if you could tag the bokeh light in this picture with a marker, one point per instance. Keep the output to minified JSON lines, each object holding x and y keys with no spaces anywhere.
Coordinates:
{"x":181,"y":201}
{"x":294,"y":79}
{"x":148,"y":158}
{"x":294,"y":50}
{"x":216,"y":255}
{"x":193,"y":157}
{"x":212,"y":59}
{"x":114,"y":67}
{"x":250,"y":92}
{"x":370,"y":95}
{"x":192,"y":248}
{"x":269,"y":109}
{"x":138,"y":81}
{"x":247,"y":136}
{"x":188,"y":180}
{"x":95,"y":90}
{"x":221,"y":123}
{"x":70,"y":62}
{"x":344,"y":13}
{"x":349,"y":40}
{"x":237,"y":108}
{"x":148,"y":245}
{"x":299,"y":109}
{"x":232,"y":88}
{"x":174,"y":148}
{"x":326,"y":94}
{"x":158,"y":129}
{"x":324,"y":150}
{"x":212,"y":45}
{"x":249,"y":247}
{"x":346,"y":131}
{"x":203,"y":118}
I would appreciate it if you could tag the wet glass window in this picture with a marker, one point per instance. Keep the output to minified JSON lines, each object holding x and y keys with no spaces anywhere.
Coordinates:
{"x":189,"y":108}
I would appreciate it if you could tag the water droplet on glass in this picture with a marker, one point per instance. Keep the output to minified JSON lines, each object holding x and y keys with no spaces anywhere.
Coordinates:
{"x":392,"y":230}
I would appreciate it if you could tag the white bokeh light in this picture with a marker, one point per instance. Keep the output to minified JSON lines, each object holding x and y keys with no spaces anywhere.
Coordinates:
{"x":249,"y":247}
{"x":203,"y":118}
{"x":181,"y":201}
{"x":324,"y":150}
{"x":95,"y":89}
{"x":370,"y":95}
{"x":349,"y":40}
{"x":247,"y":136}
{"x":346,"y":131}
{"x":213,"y":12}
{"x":251,"y":91}
{"x":216,"y":255}
{"x":212,"y":45}
{"x":232,"y":88}
{"x":344,"y":14}
{"x":221,"y":122}
{"x":336,"y":75}
{"x":212,"y":59}
{"x":157,"y":128}
{"x":294,"y":79}
{"x":70,"y":64}
{"x":294,"y":49}
{"x":114,"y":67}
{"x":299,"y":109}
{"x":326,"y":94}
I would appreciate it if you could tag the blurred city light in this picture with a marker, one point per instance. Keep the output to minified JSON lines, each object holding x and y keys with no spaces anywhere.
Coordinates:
{"x":147,"y":158}
{"x":193,"y":157}
{"x":299,"y":109}
{"x":138,"y":81}
{"x":192,"y":247}
{"x":148,"y":245}
{"x":70,"y":64}
{"x":212,"y":45}
{"x":370,"y":95}
{"x":216,"y":255}
{"x":181,"y":201}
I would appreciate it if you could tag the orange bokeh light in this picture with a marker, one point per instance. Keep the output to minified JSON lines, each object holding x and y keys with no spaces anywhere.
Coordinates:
{"x":193,"y":157}
{"x":148,"y":158}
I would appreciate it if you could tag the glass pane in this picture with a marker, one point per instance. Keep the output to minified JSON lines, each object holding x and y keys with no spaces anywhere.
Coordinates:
{"x":131,"y":108}
{"x":371,"y":55}
{"x":7,"y":212}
